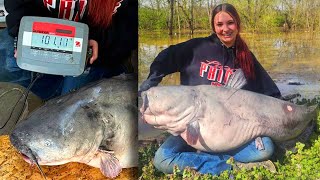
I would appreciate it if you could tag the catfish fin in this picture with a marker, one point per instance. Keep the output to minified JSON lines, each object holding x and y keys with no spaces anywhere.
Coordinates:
{"x":193,"y":132}
{"x":237,"y":80}
{"x":109,"y":164}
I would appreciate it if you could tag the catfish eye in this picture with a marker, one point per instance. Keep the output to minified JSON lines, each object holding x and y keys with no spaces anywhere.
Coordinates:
{"x":47,"y":143}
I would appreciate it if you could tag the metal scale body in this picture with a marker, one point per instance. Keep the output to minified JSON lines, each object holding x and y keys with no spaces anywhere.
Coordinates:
{"x":52,"y":46}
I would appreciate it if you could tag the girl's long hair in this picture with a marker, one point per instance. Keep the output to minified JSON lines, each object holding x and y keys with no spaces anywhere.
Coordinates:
{"x":243,"y":55}
{"x":100,"y":12}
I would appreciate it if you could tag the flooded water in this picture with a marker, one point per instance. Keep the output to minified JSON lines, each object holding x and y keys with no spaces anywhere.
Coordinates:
{"x":292,"y":58}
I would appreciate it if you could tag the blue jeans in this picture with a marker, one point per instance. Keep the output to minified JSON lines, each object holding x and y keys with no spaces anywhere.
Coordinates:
{"x":175,"y":151}
{"x":47,"y":86}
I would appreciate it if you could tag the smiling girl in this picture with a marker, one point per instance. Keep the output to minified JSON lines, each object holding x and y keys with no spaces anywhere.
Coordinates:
{"x":211,"y":61}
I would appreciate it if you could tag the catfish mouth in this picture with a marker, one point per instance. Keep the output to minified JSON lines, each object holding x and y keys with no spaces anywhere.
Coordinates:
{"x":32,"y":160}
{"x":17,"y":140}
{"x":27,"y":159}
{"x":28,"y":156}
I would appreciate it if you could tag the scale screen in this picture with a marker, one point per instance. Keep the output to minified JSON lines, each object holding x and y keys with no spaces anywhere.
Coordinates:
{"x":52,"y":42}
{"x":52,"y":46}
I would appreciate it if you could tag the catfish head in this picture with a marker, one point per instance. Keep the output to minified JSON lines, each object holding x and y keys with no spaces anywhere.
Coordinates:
{"x":65,"y":131}
{"x":57,"y":137}
{"x":169,"y":108}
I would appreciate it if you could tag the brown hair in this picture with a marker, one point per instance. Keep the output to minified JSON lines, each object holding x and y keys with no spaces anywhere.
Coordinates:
{"x":243,"y":55}
{"x":100,"y":12}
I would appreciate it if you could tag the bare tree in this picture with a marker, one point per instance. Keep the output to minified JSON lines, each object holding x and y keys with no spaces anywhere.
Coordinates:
{"x":191,"y":21}
{"x":188,"y":16}
{"x":171,"y":3}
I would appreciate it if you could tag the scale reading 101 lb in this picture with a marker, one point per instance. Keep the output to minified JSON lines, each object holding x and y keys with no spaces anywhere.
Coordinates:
{"x":52,"y":46}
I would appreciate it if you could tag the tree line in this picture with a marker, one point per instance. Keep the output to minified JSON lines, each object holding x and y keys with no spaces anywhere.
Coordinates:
{"x":256,"y":15}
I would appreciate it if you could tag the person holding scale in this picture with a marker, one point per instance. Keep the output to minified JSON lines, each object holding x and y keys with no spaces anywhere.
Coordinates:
{"x":112,"y":41}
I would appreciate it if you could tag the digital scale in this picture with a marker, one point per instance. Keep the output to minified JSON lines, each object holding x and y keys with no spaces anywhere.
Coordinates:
{"x":52,"y":46}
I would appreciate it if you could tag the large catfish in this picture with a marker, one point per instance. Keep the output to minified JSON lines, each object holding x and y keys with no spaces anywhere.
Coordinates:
{"x":219,"y":119}
{"x":96,"y":125}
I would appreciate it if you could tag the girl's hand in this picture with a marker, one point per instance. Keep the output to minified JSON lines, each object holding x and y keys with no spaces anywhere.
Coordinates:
{"x":94,"y":45}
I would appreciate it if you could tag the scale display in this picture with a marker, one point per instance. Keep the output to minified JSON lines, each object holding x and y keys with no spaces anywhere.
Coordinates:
{"x":52,"y":42}
{"x":52,"y":46}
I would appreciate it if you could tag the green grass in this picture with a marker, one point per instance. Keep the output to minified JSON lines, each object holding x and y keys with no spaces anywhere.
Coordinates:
{"x":303,"y":164}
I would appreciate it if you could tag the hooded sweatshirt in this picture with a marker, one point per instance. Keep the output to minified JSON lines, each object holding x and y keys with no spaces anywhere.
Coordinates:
{"x":206,"y":61}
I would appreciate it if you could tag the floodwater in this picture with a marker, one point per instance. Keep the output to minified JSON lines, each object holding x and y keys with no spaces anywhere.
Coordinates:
{"x":289,"y":58}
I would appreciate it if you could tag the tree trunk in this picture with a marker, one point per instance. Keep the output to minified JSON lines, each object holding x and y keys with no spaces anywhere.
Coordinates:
{"x":191,"y":21}
{"x":178,"y":16}
{"x":209,"y":12}
{"x":171,"y":2}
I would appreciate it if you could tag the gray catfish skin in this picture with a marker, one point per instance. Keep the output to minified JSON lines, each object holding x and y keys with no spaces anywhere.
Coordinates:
{"x":96,"y":125}
{"x":219,"y":119}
